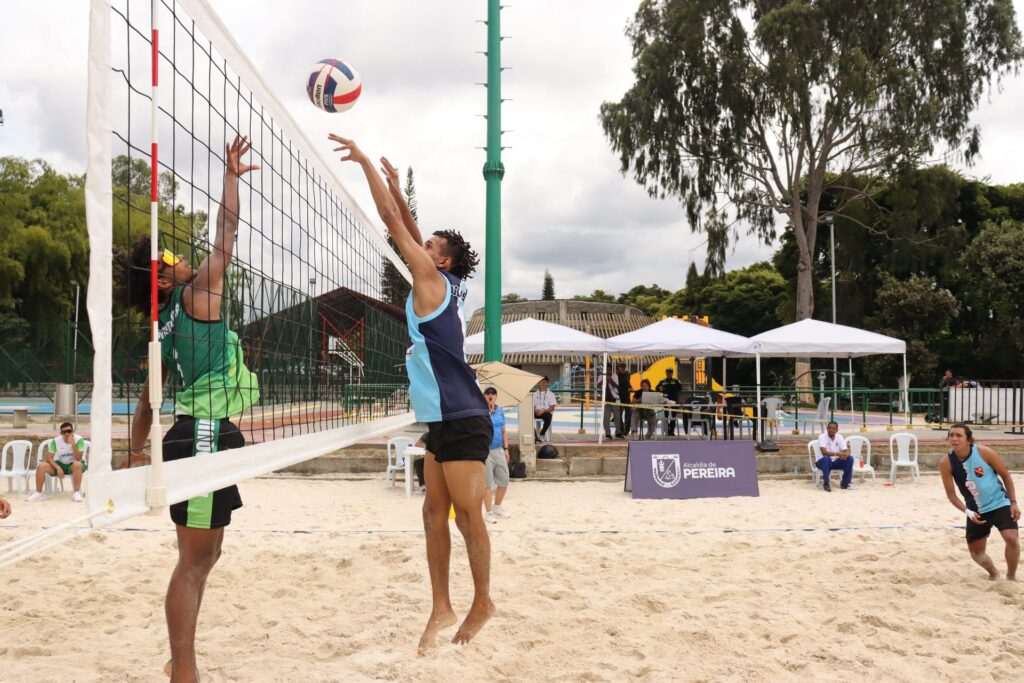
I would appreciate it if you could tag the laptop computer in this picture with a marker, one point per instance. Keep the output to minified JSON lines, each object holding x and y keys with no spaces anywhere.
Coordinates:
{"x":652,"y":398}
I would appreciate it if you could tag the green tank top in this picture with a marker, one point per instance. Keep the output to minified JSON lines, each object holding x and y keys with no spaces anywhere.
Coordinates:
{"x":205,"y":360}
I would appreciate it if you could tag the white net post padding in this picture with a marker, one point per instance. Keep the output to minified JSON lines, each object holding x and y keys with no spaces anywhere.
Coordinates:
{"x":98,"y":208}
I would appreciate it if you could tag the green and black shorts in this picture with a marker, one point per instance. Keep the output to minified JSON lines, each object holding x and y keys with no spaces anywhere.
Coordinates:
{"x":188,"y":438}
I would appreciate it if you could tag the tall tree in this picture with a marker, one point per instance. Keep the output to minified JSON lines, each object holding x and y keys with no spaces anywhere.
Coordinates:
{"x":394,"y":287}
{"x":548,"y":292}
{"x":748,"y":111}
{"x":598,"y":295}
{"x":647,"y":299}
{"x":918,"y":311}
{"x":993,"y":267}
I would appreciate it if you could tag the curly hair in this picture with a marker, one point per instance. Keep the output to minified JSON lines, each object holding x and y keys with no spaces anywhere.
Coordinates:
{"x":131,"y":273}
{"x":464,"y":259}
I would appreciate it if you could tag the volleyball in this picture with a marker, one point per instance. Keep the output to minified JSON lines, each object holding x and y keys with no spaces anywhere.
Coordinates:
{"x":333,"y":85}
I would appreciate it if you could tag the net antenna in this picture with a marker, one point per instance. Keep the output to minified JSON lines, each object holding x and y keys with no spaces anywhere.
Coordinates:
{"x":312,"y":350}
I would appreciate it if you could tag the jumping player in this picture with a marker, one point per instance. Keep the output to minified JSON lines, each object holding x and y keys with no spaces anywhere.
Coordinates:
{"x":989,"y":497}
{"x":445,"y":395}
{"x":206,"y":361}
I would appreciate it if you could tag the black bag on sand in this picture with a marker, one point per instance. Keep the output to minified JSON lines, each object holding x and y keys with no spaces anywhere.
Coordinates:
{"x":517,"y":471}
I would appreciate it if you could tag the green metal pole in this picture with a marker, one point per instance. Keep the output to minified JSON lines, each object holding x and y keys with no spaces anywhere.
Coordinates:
{"x":494,"y":171}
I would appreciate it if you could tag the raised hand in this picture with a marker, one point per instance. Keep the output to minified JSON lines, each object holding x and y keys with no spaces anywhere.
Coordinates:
{"x":352,"y":151}
{"x":391,"y":175}
{"x":234,"y":152}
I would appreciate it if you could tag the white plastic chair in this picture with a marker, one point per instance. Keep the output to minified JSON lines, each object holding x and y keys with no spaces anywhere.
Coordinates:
{"x":396,"y":456}
{"x":772,"y":408}
{"x":820,"y":417}
{"x":19,"y":452}
{"x":701,"y":418}
{"x":862,"y":466}
{"x":40,"y":459}
{"x":814,"y":455}
{"x":903,"y":456}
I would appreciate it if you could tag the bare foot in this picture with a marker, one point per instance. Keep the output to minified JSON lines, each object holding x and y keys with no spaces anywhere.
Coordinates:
{"x":169,"y":670}
{"x":993,"y":576}
{"x":434,"y":625}
{"x":478,"y":615}
{"x":1011,"y":577}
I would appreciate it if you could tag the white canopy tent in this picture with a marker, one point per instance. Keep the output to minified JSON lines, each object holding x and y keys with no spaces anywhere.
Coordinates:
{"x":530,"y":335}
{"x":819,"y":339}
{"x":679,"y":338}
{"x":675,"y":337}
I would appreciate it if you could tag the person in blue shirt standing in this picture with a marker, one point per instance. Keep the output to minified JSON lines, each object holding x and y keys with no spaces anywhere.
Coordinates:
{"x":989,"y":497}
{"x":444,"y":394}
{"x":496,"y":468}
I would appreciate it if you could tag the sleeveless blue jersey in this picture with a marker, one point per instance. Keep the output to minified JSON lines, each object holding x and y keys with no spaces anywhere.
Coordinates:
{"x":978,"y":483}
{"x":441,"y":384}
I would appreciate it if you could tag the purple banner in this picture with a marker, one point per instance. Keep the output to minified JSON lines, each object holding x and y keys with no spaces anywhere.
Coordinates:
{"x":691,"y":469}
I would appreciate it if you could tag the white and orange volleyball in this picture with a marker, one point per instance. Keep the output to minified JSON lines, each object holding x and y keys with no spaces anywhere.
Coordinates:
{"x":333,"y":85}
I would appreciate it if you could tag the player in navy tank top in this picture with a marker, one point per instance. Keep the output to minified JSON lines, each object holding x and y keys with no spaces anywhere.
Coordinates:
{"x":990,"y":499}
{"x":444,"y":394}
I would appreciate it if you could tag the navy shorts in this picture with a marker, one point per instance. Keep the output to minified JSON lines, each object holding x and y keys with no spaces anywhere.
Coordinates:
{"x":999,"y":518}
{"x":466,"y":439}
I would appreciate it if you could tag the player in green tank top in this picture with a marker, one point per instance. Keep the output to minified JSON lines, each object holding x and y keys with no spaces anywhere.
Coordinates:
{"x":204,"y":361}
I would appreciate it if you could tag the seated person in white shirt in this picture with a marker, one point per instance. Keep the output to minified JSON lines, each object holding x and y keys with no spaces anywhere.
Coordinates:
{"x":544,"y":403}
{"x":64,"y":455}
{"x":834,"y":456}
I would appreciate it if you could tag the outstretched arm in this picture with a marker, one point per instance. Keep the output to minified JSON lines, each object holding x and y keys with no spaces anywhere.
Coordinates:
{"x":203,"y":297}
{"x":395,"y":188}
{"x":428,"y":288}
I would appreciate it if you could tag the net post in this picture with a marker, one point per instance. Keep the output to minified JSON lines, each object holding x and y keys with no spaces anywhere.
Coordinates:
{"x":156,"y":491}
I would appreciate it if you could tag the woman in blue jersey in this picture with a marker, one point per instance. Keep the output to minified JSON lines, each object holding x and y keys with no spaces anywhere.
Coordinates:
{"x":989,"y":497}
{"x":445,"y":395}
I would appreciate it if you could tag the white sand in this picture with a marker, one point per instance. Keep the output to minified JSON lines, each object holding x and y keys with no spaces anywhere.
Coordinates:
{"x":590,"y":585}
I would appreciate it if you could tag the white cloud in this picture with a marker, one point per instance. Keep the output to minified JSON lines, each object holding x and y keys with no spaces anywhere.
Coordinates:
{"x":565,"y":205}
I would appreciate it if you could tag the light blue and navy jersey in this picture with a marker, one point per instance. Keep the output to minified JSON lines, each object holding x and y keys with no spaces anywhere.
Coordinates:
{"x":441,"y":384}
{"x":979,"y":484}
{"x":498,"y":422}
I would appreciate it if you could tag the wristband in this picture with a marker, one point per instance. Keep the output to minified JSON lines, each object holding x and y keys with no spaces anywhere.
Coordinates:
{"x":971,"y":513}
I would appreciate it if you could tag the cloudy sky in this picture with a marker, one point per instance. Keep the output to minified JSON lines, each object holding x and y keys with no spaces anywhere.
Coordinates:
{"x":566,"y":206}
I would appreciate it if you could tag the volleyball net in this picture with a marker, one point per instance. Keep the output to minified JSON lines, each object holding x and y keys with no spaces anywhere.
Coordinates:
{"x":311,"y":356}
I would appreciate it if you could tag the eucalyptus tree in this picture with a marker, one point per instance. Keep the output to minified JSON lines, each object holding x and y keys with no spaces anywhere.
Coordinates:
{"x":751,"y":112}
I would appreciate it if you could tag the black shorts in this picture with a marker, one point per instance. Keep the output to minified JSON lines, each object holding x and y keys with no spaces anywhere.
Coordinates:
{"x":465,"y":439}
{"x":999,"y":518}
{"x":188,"y":438}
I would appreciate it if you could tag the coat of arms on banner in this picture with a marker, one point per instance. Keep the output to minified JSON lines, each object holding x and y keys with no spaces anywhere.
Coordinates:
{"x":667,"y":471}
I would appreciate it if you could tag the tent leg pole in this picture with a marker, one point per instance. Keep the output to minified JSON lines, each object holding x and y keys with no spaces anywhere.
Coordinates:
{"x":853,"y":415}
{"x":604,"y":393}
{"x":906,"y":390}
{"x":757,"y":407}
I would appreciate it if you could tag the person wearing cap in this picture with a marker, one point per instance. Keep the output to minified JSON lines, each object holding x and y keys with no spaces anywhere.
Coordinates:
{"x":496,"y":467}
{"x":670,"y":388}
{"x":544,"y":402}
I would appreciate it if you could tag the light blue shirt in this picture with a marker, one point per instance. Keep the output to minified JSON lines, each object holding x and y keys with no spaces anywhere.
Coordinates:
{"x":498,"y":421}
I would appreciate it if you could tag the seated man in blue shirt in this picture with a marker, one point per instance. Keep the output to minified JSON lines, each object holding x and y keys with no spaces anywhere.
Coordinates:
{"x":834,"y":456}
